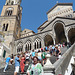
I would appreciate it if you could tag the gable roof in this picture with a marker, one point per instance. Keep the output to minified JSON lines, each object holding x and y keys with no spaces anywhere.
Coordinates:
{"x":27,"y":31}
{"x":61,"y":4}
{"x":42,"y":24}
{"x":56,"y":18}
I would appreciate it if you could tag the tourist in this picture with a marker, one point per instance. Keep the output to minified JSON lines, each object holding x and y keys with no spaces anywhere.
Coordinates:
{"x":22,"y":63}
{"x":41,"y":49}
{"x":39,"y":56}
{"x":51,"y":51}
{"x":17,"y":64}
{"x":68,"y":45}
{"x":27,"y":55}
{"x":12,"y":58}
{"x":45,"y":48}
{"x":8,"y":59}
{"x":53,"y":47}
{"x":33,"y":53}
{"x":43,"y":57}
{"x":63,"y":44}
{"x":35,"y":68}
{"x":57,"y":52}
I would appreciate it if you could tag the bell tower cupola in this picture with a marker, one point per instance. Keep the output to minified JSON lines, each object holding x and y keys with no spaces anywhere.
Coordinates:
{"x":13,"y":2}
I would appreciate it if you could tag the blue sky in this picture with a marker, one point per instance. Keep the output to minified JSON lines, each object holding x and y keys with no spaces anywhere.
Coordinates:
{"x":34,"y":11}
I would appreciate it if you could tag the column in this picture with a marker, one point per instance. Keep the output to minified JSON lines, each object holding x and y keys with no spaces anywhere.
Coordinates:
{"x":54,"y":41}
{"x":23,"y":48}
{"x":42,"y":44}
{"x":67,"y":37}
{"x":32,"y":46}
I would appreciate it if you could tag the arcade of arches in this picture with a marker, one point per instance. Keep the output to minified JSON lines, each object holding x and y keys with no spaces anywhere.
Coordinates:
{"x":47,"y":39}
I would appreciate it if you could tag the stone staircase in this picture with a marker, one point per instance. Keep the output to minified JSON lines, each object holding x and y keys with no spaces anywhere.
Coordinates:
{"x":10,"y":71}
{"x":11,"y":68}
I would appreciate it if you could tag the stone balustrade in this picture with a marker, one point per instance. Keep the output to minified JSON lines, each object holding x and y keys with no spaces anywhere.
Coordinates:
{"x":48,"y":67}
{"x":62,"y":64}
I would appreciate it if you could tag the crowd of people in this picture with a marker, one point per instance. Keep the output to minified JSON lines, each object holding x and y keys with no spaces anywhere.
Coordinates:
{"x":34,"y":59}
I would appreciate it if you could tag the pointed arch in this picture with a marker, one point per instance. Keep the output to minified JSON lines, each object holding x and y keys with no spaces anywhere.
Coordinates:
{"x":19,"y":46}
{"x":37,"y":43}
{"x":28,"y":45}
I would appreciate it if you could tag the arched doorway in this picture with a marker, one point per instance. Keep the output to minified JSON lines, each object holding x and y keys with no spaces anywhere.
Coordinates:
{"x":71,"y":35}
{"x":48,"y":40}
{"x":60,"y":34}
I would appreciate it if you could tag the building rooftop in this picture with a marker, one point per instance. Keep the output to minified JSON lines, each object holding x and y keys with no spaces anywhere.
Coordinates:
{"x":68,"y":4}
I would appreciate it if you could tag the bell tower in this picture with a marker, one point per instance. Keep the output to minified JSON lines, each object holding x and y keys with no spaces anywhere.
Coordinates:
{"x":10,"y":21}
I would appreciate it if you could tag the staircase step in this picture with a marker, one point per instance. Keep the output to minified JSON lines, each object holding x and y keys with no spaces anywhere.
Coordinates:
{"x":10,"y":70}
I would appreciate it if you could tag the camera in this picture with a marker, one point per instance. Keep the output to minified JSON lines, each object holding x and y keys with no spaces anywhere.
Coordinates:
{"x":32,"y":72}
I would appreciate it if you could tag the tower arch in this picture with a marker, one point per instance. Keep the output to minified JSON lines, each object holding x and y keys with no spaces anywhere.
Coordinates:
{"x":9,"y":11}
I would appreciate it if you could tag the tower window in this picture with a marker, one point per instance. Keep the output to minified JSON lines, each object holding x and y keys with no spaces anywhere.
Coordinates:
{"x":6,"y":27}
{"x":9,"y":13}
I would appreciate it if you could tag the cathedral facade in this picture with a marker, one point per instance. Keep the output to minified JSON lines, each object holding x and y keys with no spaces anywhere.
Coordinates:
{"x":59,"y":28}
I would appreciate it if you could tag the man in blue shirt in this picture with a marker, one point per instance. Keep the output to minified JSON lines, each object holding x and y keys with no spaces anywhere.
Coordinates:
{"x":17,"y":64}
{"x":8,"y":59}
{"x":46,"y":48}
{"x":33,"y":54}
